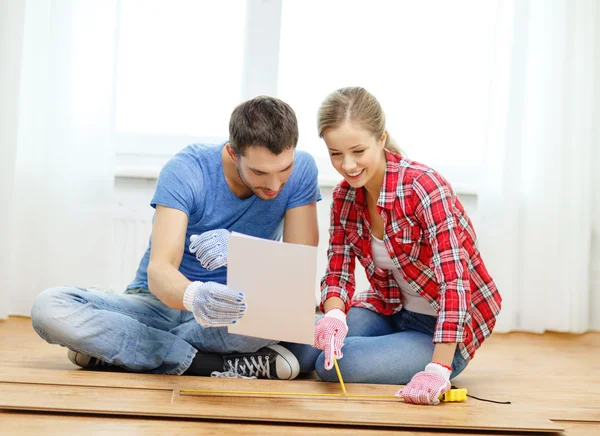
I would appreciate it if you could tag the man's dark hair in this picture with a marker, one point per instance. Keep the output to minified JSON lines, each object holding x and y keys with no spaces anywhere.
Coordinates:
{"x":263,"y":121}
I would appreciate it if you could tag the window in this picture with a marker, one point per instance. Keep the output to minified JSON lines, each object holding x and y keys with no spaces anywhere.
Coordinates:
{"x":183,"y":66}
{"x":179,"y":72}
{"x":427,"y":62}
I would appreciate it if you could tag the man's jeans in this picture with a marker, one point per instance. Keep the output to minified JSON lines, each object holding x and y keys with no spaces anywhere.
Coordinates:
{"x":386,"y":349}
{"x":137,"y":332}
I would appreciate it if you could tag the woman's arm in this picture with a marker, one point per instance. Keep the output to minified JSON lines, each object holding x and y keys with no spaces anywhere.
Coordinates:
{"x":434,"y":208}
{"x":334,"y":303}
{"x":444,"y":353}
{"x":338,"y":284}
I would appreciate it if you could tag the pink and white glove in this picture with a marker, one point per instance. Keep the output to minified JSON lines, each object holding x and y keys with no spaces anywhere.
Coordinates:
{"x":427,"y":386}
{"x":330,"y":332}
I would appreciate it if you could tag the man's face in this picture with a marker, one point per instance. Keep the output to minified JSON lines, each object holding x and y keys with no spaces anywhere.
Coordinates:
{"x":263,"y":172}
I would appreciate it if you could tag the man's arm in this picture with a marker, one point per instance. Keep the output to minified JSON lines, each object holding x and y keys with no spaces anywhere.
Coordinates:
{"x":300,"y":225}
{"x":168,"y":240}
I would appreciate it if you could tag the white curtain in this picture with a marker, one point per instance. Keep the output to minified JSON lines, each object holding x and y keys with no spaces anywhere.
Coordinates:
{"x":538,"y":225}
{"x":56,"y":87}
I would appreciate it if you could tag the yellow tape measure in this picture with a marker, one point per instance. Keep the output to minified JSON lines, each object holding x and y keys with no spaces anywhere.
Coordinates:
{"x":453,"y":395}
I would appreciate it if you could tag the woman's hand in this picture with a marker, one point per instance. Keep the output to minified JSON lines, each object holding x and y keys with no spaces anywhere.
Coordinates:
{"x":426,"y":387}
{"x":330,"y":332}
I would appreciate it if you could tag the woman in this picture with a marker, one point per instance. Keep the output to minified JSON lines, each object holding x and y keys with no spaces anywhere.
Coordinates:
{"x":431,"y":302}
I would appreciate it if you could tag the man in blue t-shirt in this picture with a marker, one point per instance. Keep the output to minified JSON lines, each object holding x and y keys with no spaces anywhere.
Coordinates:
{"x":172,"y":318}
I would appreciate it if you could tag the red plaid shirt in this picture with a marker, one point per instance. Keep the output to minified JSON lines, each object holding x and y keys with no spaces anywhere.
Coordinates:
{"x":431,"y":241}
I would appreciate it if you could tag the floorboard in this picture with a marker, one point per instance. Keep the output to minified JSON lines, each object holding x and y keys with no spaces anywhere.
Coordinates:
{"x":551,"y":376}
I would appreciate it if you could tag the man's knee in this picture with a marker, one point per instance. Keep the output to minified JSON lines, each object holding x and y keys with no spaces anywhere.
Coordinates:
{"x":234,"y":343}
{"x":49,"y":305}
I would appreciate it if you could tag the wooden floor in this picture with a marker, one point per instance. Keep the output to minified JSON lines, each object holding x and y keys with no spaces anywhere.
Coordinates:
{"x":555,"y":376}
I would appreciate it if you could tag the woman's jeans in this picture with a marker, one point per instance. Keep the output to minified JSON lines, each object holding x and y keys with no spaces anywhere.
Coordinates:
{"x":137,"y":332}
{"x":386,"y":349}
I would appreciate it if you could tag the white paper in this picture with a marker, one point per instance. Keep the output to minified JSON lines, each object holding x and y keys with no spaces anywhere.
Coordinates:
{"x":278,"y":280}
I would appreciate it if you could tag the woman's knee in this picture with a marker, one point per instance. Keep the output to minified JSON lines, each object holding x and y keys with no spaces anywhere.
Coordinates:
{"x":368,"y":360}
{"x":365,"y":322}
{"x":322,"y":373}
{"x":353,"y":367}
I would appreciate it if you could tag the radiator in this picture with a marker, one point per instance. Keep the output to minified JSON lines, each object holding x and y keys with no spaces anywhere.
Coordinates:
{"x":130,"y":242}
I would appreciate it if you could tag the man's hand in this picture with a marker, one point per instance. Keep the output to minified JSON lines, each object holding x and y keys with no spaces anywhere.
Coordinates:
{"x":330,"y":332}
{"x":427,"y":386}
{"x":210,"y":248}
{"x":213,"y":304}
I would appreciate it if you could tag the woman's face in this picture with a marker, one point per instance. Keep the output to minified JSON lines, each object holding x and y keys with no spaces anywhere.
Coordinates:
{"x":355,"y":153}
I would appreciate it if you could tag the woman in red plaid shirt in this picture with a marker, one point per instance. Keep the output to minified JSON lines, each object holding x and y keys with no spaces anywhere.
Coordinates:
{"x":431,"y":302}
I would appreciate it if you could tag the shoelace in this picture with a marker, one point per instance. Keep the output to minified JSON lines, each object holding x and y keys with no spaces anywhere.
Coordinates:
{"x":249,"y":369}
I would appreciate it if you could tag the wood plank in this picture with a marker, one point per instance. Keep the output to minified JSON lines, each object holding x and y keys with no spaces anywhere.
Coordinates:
{"x":580,"y":409}
{"x":29,"y":423}
{"x":550,"y":375}
{"x":38,"y":423}
{"x":80,"y":377}
{"x":155,"y":402}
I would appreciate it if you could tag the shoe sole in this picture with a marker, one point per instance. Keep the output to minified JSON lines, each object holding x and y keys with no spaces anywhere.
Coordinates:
{"x":76,"y":358}
{"x":289,"y":359}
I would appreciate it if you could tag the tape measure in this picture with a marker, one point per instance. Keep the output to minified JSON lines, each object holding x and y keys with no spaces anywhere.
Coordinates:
{"x":452,"y":396}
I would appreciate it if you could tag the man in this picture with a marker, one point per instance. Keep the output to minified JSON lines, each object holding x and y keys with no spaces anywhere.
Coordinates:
{"x":171,"y":318}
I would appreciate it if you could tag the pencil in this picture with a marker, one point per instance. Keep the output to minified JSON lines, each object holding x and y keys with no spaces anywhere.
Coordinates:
{"x":339,"y":374}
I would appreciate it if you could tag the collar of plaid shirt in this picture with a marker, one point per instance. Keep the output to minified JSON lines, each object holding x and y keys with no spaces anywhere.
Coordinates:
{"x":387,"y":196}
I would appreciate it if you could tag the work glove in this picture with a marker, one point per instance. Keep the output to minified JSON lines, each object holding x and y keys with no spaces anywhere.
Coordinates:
{"x":213,"y":304}
{"x":330,"y":332}
{"x":426,"y":387}
{"x":210,"y":248}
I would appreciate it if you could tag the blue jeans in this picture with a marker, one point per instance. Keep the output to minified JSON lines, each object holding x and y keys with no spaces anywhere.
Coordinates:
{"x":386,"y":349}
{"x":137,"y":332}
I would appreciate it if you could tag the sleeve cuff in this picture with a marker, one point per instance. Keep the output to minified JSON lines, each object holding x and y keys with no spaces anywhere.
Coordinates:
{"x":190,"y":293}
{"x":334,"y":291}
{"x":449,"y":332}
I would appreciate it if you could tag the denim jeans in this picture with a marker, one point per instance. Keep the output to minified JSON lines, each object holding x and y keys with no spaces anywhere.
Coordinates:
{"x":386,"y":349}
{"x":137,"y":332}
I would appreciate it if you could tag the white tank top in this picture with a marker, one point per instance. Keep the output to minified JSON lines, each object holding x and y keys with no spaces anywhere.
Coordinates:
{"x":410,"y":299}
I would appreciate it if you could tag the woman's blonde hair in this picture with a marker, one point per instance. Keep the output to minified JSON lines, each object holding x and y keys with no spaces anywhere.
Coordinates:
{"x":358,"y":106}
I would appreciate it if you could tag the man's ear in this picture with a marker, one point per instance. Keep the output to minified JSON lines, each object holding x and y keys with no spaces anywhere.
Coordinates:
{"x":231,"y":152}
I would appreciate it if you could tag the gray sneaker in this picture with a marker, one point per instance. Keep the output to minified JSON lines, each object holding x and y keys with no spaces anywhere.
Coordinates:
{"x":273,"y":362}
{"x":87,"y":362}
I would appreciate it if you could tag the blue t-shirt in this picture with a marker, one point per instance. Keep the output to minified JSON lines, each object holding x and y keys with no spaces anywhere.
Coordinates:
{"x":193,"y":182}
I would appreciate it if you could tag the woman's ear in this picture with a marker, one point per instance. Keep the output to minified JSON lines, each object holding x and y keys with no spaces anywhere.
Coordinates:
{"x":383,"y":138}
{"x":231,"y":152}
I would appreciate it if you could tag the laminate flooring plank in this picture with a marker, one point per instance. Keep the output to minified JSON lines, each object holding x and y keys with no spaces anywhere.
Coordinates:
{"x":42,"y":423}
{"x":552,"y":375}
{"x":79,"y":377}
{"x":155,"y":402}
{"x":531,"y":398}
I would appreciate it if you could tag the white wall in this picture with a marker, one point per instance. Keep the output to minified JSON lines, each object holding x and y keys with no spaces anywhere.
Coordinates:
{"x":133,"y":216}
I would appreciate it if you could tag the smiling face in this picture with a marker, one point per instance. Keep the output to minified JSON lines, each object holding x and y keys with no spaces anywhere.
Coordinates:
{"x":356,"y":154}
{"x":263,"y":172}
